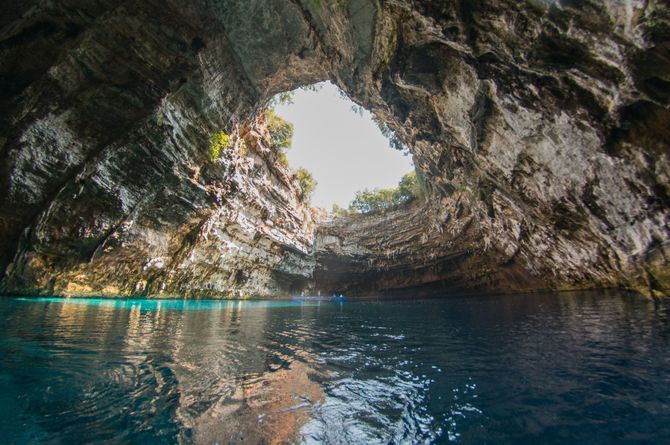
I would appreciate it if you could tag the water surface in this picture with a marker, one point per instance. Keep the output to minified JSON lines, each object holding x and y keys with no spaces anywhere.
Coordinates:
{"x":561,"y":368}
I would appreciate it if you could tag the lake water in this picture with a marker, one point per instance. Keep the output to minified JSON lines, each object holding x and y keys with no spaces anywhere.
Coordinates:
{"x":560,"y":368}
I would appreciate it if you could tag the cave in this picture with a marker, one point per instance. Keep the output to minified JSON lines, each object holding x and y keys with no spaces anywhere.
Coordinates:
{"x":154,"y":244}
{"x":540,"y":127}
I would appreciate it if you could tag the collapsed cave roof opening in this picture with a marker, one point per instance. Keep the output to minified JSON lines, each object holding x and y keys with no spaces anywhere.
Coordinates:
{"x":540,"y":128}
{"x":358,"y":163}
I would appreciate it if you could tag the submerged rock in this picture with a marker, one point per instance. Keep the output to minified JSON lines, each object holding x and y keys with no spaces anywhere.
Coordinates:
{"x":541,"y":128}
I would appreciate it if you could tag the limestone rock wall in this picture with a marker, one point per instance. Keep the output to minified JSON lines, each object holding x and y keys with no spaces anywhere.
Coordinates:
{"x":107,"y":115}
{"x":543,"y":125}
{"x":540,"y":126}
{"x":232,"y":226}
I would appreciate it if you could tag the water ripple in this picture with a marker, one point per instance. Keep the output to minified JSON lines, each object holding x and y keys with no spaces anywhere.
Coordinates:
{"x":534,"y":369}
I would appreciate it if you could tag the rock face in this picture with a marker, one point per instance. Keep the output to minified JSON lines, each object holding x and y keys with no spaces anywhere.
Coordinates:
{"x":414,"y":252}
{"x":541,"y":128}
{"x":231,"y":226}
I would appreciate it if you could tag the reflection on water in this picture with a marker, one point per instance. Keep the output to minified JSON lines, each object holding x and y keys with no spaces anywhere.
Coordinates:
{"x":173,"y":305}
{"x":530,"y":369}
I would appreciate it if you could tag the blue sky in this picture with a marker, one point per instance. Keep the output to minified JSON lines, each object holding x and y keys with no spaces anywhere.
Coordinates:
{"x":345,"y":151}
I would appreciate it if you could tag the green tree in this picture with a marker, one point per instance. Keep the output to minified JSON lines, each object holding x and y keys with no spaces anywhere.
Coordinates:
{"x":338,"y":211}
{"x":281,"y":132}
{"x":388,"y":133}
{"x":220,"y":142}
{"x":286,"y":97}
{"x":283,"y":98}
{"x":409,"y":187}
{"x":306,"y":181}
{"x":281,"y":135}
{"x":367,"y":201}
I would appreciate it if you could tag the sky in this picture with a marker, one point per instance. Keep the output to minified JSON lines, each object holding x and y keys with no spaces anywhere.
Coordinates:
{"x":345,"y":151}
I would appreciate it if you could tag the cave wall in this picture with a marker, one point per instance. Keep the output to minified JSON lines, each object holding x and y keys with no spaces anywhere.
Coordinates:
{"x":108,"y":184}
{"x":541,"y":128}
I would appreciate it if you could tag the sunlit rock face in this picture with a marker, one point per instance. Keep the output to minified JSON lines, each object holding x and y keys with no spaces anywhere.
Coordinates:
{"x":540,"y":127}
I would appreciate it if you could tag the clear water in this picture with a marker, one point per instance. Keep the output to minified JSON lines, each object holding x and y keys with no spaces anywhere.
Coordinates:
{"x":565,"y":368}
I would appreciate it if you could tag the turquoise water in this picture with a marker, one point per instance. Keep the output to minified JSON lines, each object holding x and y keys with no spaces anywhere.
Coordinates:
{"x":170,"y":305}
{"x":561,"y":368}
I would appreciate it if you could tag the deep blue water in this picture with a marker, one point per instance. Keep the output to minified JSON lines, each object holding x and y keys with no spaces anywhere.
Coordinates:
{"x":560,"y":368}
